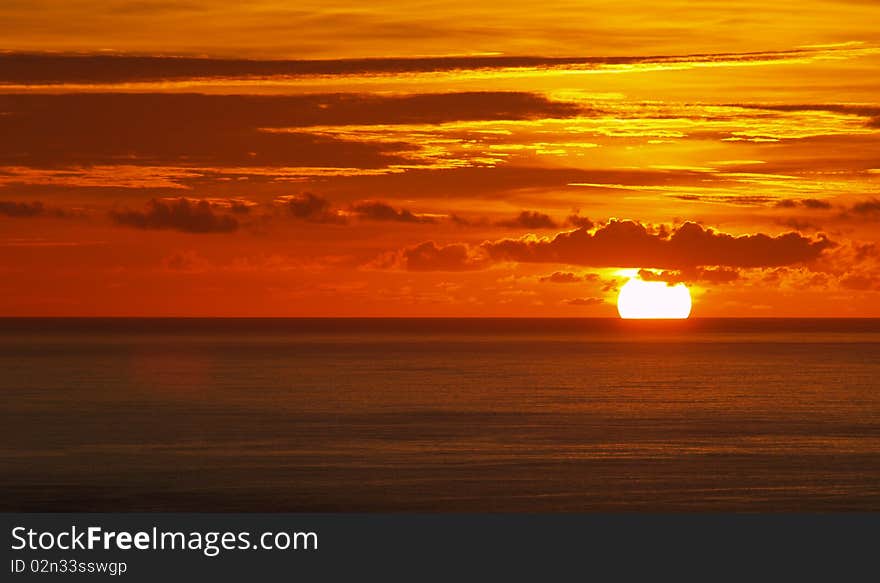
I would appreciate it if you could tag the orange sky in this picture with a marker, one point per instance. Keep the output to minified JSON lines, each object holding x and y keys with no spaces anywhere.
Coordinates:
{"x":437,"y":158}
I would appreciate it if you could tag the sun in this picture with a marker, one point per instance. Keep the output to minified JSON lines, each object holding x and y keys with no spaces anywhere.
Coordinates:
{"x":639,"y":299}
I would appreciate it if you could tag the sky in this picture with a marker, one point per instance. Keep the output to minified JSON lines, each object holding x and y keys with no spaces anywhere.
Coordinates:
{"x":391,"y":158}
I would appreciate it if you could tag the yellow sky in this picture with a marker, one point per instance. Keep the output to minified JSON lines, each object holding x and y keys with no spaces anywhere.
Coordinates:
{"x":437,"y":158}
{"x":332,"y":29}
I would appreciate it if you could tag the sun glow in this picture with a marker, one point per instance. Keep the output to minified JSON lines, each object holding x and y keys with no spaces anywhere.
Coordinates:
{"x":640,"y":299}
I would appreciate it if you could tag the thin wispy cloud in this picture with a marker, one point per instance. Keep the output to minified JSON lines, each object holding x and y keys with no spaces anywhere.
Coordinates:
{"x":78,"y":69}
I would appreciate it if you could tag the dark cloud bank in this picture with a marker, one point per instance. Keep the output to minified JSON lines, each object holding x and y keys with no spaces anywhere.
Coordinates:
{"x":628,"y":244}
{"x":178,"y":215}
{"x":235,"y":130}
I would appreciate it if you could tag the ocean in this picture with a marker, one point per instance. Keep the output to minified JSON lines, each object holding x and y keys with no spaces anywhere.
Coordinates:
{"x":439,"y":415}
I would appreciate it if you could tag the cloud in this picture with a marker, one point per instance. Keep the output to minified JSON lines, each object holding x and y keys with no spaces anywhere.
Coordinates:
{"x":562,"y":277}
{"x":510,"y":179}
{"x":585,"y":301}
{"x":429,"y":256}
{"x":867,"y":208}
{"x":860,"y":282}
{"x":691,"y":249}
{"x":808,"y":203}
{"x":240,"y":207}
{"x":530,"y":220}
{"x":381,"y":211}
{"x":49,"y":69}
{"x":461,"y":221}
{"x":870,"y":112}
{"x":48,"y":131}
{"x":311,"y":207}
{"x":736,"y":199}
{"x":317,"y":209}
{"x":575,"y":220}
{"x":813,"y":203}
{"x":178,"y":215}
{"x":797,"y":224}
{"x":717,"y":275}
{"x":630,"y":244}
{"x":21,"y":209}
{"x":27,"y":210}
{"x":152,"y":129}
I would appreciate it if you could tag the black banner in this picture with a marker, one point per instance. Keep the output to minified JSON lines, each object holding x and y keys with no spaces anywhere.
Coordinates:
{"x":233,"y":547}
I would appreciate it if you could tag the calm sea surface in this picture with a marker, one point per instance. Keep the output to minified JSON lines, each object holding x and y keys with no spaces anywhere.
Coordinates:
{"x":439,"y":415}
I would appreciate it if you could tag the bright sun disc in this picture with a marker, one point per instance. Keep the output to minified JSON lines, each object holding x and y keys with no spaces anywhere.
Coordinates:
{"x":653,"y":299}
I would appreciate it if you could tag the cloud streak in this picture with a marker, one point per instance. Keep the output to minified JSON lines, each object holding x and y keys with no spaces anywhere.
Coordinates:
{"x":374,"y":210}
{"x":50,"y":69}
{"x":21,"y":210}
{"x":529,"y":220}
{"x":870,"y":112}
{"x":237,"y":130}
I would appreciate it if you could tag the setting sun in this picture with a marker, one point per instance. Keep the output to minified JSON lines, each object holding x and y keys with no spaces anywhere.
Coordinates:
{"x":640,"y":299}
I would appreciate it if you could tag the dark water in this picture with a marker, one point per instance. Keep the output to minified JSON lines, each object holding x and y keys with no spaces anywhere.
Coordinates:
{"x":440,"y":415}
